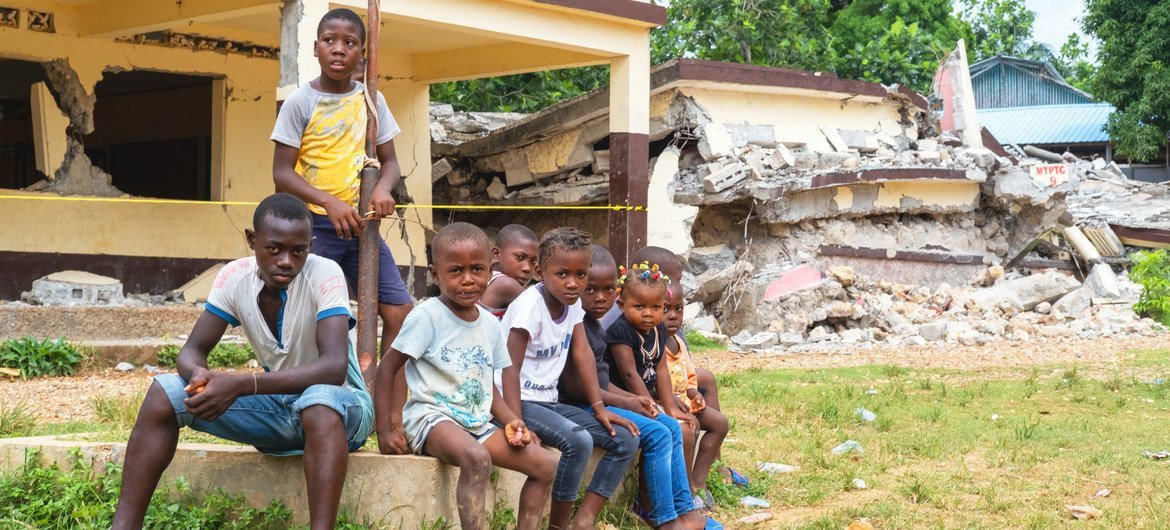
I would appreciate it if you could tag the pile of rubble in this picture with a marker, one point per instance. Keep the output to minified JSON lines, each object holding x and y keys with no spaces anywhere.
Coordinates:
{"x":815,"y":309}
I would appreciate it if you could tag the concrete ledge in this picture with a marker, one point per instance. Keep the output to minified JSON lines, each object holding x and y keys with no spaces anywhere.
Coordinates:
{"x":90,"y":323}
{"x":388,"y":491}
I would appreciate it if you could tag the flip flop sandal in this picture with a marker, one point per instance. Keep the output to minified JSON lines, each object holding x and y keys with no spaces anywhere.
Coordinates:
{"x":713,"y":525}
{"x":738,"y":478}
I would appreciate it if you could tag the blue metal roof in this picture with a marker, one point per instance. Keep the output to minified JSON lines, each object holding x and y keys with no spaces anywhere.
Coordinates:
{"x":1048,"y":124}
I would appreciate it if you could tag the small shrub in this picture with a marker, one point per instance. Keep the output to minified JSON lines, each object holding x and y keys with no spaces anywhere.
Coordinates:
{"x":698,"y":343}
{"x":1151,"y":270}
{"x":16,"y":419}
{"x":37,"y":359}
{"x":224,"y":355}
{"x":117,"y":410}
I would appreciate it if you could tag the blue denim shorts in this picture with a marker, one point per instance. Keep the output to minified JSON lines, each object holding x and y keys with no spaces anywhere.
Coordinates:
{"x":272,"y":422}
{"x":326,"y":243}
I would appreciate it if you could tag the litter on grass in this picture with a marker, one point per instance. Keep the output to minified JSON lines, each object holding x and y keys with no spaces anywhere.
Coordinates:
{"x":756,"y":518}
{"x":773,"y":467}
{"x":865,"y":414}
{"x":1103,"y":492}
{"x":849,"y":446}
{"x":859,"y":484}
{"x":1157,"y":455}
{"x":754,"y":502}
{"x":1084,"y":512}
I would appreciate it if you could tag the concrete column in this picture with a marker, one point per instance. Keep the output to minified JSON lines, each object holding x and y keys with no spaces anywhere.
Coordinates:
{"x":629,"y":150}
{"x":298,"y":31}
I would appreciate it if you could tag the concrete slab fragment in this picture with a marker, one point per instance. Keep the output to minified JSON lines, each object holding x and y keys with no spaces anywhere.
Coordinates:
{"x":797,"y":279}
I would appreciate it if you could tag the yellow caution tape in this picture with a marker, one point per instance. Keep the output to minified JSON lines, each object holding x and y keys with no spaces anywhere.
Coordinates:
{"x":615,"y":207}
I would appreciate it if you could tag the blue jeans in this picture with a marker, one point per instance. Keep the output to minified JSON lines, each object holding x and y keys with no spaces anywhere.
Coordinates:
{"x":272,"y":422}
{"x":664,"y":464}
{"x":574,"y":432}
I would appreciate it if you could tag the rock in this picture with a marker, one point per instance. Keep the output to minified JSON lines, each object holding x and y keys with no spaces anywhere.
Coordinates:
{"x":442,"y":110}
{"x":124,"y":367}
{"x":1103,"y":281}
{"x":706,"y":324}
{"x":916,"y":340}
{"x":741,"y":337}
{"x":496,"y":190}
{"x":844,"y":275}
{"x":790,"y":338}
{"x":928,"y":146}
{"x":1055,"y":331}
{"x":717,"y":337}
{"x":713,"y":282}
{"x":1025,"y":293}
{"x":933,"y":331}
{"x":703,"y":259}
{"x":1043,"y":308}
{"x":440,"y":169}
{"x":853,"y":336}
{"x":1075,"y":303}
{"x":839,"y":309}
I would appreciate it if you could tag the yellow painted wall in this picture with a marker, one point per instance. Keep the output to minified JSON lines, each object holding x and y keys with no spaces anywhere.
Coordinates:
{"x":796,"y":117}
{"x":248,"y":112}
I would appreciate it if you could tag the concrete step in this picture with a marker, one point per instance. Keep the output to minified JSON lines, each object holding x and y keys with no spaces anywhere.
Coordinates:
{"x":388,"y":491}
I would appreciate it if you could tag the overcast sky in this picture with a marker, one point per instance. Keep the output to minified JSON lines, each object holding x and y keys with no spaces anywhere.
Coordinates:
{"x":1055,"y":19}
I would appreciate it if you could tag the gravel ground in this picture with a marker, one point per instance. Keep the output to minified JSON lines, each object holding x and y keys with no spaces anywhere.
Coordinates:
{"x":68,"y":399}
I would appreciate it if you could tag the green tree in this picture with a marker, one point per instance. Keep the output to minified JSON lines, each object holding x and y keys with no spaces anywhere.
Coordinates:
{"x":785,"y":33}
{"x":1073,"y":63}
{"x":520,"y":93}
{"x":1133,"y":72}
{"x":1001,"y":27}
{"x":898,"y":41}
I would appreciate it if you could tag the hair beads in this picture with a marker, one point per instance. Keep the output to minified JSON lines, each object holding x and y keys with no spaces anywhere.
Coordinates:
{"x":644,"y":272}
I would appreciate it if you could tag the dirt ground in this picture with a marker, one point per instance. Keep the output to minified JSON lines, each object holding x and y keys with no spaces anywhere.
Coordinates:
{"x":68,"y":399}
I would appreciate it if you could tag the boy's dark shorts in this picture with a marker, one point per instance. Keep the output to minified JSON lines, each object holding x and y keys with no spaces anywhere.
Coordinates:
{"x":326,"y":243}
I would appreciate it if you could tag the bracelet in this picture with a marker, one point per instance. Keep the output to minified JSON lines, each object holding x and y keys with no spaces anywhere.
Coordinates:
{"x":255,"y":384}
{"x":596,"y":403}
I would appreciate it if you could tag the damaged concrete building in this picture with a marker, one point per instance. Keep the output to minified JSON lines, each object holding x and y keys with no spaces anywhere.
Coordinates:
{"x":807,"y":206}
{"x":136,"y":132}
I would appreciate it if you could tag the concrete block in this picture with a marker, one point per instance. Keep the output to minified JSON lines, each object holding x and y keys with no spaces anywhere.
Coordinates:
{"x":780,"y":158}
{"x":515,"y":165}
{"x":723,"y":178}
{"x":691,"y":311}
{"x":706,"y":324}
{"x":74,"y":288}
{"x":762,"y":339}
{"x":715,"y":142}
{"x":601,"y":161}
{"x":834,"y":137}
{"x":440,"y":169}
{"x":927,"y":146}
{"x":1103,"y":281}
{"x":703,"y":259}
{"x":752,"y":134}
{"x":1026,"y":292}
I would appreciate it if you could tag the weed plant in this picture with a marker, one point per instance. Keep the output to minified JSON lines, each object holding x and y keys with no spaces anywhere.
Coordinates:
{"x":224,"y":355}
{"x":39,"y":359}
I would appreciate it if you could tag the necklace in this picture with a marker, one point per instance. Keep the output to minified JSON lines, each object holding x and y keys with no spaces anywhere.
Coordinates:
{"x":648,"y":356}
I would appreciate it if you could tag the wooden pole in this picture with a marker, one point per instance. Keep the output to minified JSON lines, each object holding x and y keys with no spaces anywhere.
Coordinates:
{"x":367,"y":326}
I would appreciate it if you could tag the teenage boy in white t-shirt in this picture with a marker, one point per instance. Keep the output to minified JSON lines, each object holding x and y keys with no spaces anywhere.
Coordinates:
{"x":310,"y":399}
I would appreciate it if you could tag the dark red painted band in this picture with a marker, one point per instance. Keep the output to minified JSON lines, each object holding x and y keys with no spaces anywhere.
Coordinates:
{"x":643,"y":11}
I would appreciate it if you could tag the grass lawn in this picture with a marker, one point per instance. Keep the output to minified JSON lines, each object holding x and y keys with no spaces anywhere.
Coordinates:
{"x":988,"y":448}
{"x":1002,"y":448}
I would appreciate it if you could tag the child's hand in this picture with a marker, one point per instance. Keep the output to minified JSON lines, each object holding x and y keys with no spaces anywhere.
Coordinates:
{"x":393,"y":443}
{"x":609,"y":419}
{"x":517,"y":433}
{"x":698,"y":403}
{"x":381,"y":202}
{"x":344,"y":217}
{"x":645,"y":406}
{"x":683,"y":417}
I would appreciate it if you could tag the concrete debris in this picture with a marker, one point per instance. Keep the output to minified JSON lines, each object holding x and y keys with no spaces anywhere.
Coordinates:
{"x":74,"y":288}
{"x":702,"y":259}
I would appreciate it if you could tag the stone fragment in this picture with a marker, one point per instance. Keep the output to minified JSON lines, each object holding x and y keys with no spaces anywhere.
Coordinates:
{"x":1025,"y":293}
{"x":790,"y":338}
{"x":1103,"y":281}
{"x":933,"y":331}
{"x":497,"y":190}
{"x":762,"y":339}
{"x":124,"y":367}
{"x":843,"y":274}
{"x":713,"y":282}
{"x":853,"y":336}
{"x":715,"y":142}
{"x":927,"y":146}
{"x":601,"y":161}
{"x":839,"y":309}
{"x":706,"y":323}
{"x":440,"y":169}
{"x":1075,"y":303}
{"x":703,"y":259}
{"x":780,"y":158}
{"x":834,"y":137}
{"x":1043,"y":308}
